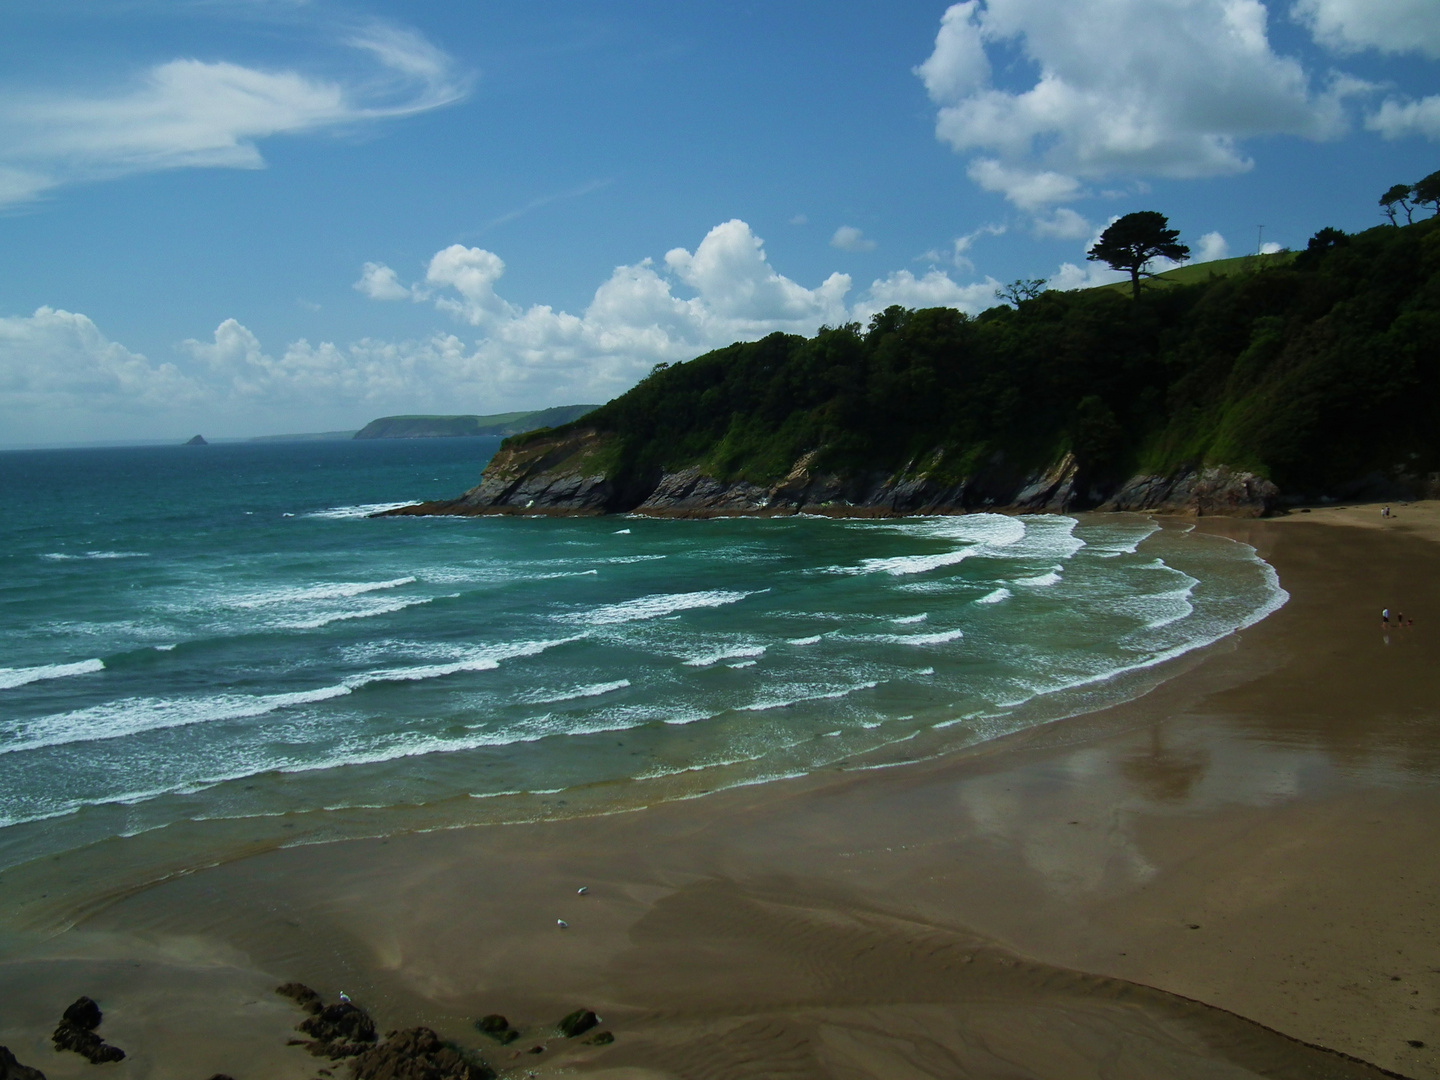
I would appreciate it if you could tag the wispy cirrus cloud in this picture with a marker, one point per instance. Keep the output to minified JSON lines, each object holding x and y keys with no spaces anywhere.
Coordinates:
{"x":189,"y":113}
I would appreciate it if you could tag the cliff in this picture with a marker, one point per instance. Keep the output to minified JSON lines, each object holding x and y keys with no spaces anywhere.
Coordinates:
{"x":566,"y":474}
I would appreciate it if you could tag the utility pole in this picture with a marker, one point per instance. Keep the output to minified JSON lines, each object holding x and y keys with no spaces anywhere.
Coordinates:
{"x":1260,"y":241}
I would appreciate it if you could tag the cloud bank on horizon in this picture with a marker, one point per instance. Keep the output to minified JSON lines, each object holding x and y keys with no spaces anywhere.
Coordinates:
{"x":1050,"y":104}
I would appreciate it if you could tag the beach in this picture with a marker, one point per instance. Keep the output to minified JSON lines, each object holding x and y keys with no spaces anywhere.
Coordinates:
{"x":1231,"y":875}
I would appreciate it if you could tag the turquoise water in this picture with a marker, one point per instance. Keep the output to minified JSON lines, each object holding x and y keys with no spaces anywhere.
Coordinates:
{"x":220,"y":634}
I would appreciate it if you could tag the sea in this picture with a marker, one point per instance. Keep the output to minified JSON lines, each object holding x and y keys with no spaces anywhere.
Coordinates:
{"x":208,"y":650}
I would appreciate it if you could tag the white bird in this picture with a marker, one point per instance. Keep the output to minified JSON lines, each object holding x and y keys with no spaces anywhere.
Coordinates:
{"x":344,"y":997}
{"x":583,"y":889}
{"x":562,"y":924}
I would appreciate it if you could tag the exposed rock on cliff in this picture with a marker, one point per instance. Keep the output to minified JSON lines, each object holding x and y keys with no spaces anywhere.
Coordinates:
{"x":568,"y":475}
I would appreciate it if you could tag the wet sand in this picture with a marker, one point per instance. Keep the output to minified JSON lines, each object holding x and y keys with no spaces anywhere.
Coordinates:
{"x":1231,"y":876}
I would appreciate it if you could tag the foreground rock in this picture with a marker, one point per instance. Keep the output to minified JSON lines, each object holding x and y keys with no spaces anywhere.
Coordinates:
{"x":569,"y":474}
{"x":10,"y":1069}
{"x":336,"y":1031}
{"x":77,"y":1032}
{"x":417,"y":1054}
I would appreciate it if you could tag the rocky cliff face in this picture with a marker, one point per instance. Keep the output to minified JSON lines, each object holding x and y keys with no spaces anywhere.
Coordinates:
{"x":566,"y":475}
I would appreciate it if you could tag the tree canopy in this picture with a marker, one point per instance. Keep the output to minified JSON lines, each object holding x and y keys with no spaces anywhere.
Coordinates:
{"x":1287,"y":368}
{"x":1136,"y":240}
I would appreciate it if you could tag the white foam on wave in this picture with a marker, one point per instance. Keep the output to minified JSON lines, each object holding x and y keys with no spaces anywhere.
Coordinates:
{"x":621,"y":560}
{"x":342,"y":513}
{"x":742,"y":664}
{"x":804,"y":640}
{"x":364,"y":613}
{"x":1042,"y":581}
{"x":982,"y":534}
{"x":938,"y":638}
{"x":309,"y":594}
{"x":13,"y":677}
{"x":659,"y":605}
{"x":905,"y":620}
{"x":482,"y":658}
{"x":622,"y":532}
{"x":578,"y":693}
{"x":785,"y":703}
{"x":903,"y":565}
{"x":730,"y":652}
{"x":134,"y":716}
{"x":60,"y":556}
{"x":1048,"y":537}
{"x":1111,"y":542}
{"x":998,"y":596}
{"x":565,"y":574}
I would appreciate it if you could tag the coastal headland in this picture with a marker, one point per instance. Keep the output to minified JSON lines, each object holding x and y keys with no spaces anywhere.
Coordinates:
{"x":1230,"y":875}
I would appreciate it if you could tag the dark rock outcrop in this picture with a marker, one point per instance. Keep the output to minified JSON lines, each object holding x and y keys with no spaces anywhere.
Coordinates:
{"x":77,"y":1032}
{"x":498,"y":1028}
{"x":197,"y":440}
{"x":417,"y":1054}
{"x":577,"y":1023}
{"x":10,"y":1069}
{"x":569,"y":474}
{"x":336,"y":1031}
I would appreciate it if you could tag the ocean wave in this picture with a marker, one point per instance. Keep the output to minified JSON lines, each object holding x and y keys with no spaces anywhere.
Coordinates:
{"x":742,"y":664}
{"x":309,"y":594}
{"x":903,"y":565}
{"x":905,"y":620}
{"x":364,"y":613}
{"x":484,"y":658}
{"x":998,"y":596}
{"x":804,"y":640}
{"x":365,"y":510}
{"x":659,"y":605}
{"x":60,"y":556}
{"x":13,"y":677}
{"x":578,"y":693}
{"x":785,"y":703}
{"x":938,"y":638}
{"x":621,"y":560}
{"x":732,"y":652}
{"x":1042,"y":581}
{"x":135,"y":716}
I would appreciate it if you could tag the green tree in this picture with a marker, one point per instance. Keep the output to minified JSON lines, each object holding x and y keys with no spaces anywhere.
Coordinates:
{"x":1020,"y":289}
{"x":1136,"y":240}
{"x":1427,"y":192}
{"x":1398,"y":195}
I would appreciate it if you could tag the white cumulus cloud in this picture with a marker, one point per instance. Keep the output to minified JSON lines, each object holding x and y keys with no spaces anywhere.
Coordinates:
{"x":849,"y":238}
{"x":1394,"y":26}
{"x":1212,"y":246}
{"x":1121,"y":88}
{"x":61,"y":378}
{"x":58,"y":372}
{"x":189,"y":113}
{"x":1402,"y":119}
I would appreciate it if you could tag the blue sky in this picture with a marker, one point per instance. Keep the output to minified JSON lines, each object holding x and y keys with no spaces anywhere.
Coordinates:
{"x":259,"y":216}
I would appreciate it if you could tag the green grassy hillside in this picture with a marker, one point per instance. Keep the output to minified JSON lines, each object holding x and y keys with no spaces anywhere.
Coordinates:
{"x":1312,"y":370}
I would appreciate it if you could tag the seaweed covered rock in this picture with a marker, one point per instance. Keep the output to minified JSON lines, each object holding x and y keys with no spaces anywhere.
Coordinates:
{"x":77,"y":1032}
{"x":417,"y":1054}
{"x":10,"y":1069}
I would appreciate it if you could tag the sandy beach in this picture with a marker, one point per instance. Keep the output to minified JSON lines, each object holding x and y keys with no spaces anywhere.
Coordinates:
{"x":1233,"y":875}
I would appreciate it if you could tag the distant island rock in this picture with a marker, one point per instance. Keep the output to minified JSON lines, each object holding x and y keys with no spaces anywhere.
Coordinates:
{"x":198,"y":440}
{"x":439,"y":427}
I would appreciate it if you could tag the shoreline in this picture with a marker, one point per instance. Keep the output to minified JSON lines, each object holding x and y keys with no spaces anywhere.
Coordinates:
{"x":1277,"y":795}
